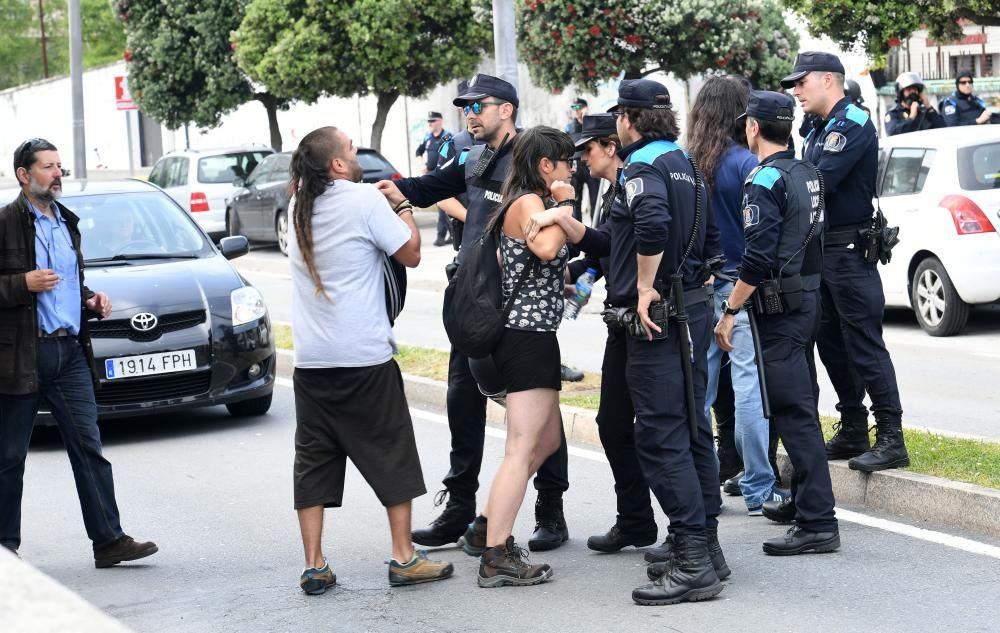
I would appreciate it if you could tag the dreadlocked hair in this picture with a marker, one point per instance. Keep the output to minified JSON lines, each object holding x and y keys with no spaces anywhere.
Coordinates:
{"x":712,"y":126}
{"x":309,"y":176}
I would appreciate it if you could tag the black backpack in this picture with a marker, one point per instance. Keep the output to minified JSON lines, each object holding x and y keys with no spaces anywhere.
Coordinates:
{"x":474,"y":313}
{"x":395,"y":286}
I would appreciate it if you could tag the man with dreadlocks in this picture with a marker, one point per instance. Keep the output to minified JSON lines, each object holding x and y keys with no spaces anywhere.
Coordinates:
{"x":349,"y":400}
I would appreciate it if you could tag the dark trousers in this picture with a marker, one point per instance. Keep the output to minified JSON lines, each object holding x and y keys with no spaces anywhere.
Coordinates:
{"x":443,"y":225}
{"x":65,"y":383}
{"x":616,"y":425}
{"x":682,"y":473}
{"x":467,"y":422}
{"x":850,"y":334}
{"x":790,"y":367}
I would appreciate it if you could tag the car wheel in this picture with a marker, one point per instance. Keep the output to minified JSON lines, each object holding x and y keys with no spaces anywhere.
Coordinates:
{"x":939,"y":309}
{"x":248,"y":408}
{"x":281,"y":229}
{"x":232,"y":223}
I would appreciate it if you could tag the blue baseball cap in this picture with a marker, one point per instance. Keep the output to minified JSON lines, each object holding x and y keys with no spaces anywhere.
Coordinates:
{"x":812,"y":61}
{"x":482,"y":86}
{"x":642,"y":93}
{"x":765,"y":105}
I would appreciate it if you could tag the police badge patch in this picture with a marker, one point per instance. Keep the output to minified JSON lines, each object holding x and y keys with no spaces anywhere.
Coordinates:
{"x":633,"y":188}
{"x":949,"y":109}
{"x":751,"y":215}
{"x":835,"y":142}
{"x":888,"y":118}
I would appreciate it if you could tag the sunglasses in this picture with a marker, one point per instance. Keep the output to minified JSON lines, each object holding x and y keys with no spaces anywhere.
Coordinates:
{"x":26,"y":148}
{"x":965,"y":81}
{"x":477,"y":106}
{"x":576,"y":106}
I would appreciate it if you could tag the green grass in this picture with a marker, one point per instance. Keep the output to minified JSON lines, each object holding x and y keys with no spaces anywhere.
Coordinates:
{"x":971,"y":461}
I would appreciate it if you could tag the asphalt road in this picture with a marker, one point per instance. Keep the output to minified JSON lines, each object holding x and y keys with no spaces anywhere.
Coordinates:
{"x":947,"y":384}
{"x":215,"y":494}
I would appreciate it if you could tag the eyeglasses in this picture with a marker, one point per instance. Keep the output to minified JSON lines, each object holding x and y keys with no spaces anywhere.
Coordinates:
{"x":477,"y":106}
{"x":569,"y":160}
{"x":964,"y":81}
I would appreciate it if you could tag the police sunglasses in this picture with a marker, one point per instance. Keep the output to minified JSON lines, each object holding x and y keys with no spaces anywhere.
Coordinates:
{"x":964,"y":81}
{"x":476,"y":107}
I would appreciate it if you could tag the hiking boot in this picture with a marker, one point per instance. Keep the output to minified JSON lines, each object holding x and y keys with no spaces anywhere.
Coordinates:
{"x":689,"y":577}
{"x":615,"y":539}
{"x":780,"y":511}
{"x":799,"y":541}
{"x":550,"y":525}
{"x":121,"y":550}
{"x":655,"y":570}
{"x":851,"y":437}
{"x":315,"y":580}
{"x":473,"y":542}
{"x":420,"y":569}
{"x":889,"y":450}
{"x":732,"y":485}
{"x":450,"y":525}
{"x":508,"y":565}
{"x":662,"y":553}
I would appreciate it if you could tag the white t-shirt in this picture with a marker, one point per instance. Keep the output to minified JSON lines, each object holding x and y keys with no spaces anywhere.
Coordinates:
{"x":352,"y":226}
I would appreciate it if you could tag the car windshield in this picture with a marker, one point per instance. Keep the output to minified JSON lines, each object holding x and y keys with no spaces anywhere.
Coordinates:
{"x":979,"y":167}
{"x":135,"y":224}
{"x":224,"y":168}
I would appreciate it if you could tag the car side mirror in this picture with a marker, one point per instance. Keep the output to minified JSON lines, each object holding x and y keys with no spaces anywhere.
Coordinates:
{"x":234,"y":246}
{"x":239,"y":182}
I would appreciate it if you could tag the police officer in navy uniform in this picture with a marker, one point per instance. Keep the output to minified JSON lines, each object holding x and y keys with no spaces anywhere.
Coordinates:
{"x":650,"y":244}
{"x":431,"y":146}
{"x":783,"y":226}
{"x":964,"y":108}
{"x":844,"y":146}
{"x":456,"y":207}
{"x":913,"y":111}
{"x":490,"y":106}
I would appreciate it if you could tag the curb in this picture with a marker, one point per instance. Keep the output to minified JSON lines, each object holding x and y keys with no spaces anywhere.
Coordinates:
{"x":921,"y":498}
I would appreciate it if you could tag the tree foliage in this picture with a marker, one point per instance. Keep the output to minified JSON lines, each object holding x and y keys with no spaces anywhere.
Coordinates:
{"x":583,"y":42}
{"x":21,"y":46}
{"x":877,"y":26}
{"x":301,"y":49}
{"x":182,"y":68}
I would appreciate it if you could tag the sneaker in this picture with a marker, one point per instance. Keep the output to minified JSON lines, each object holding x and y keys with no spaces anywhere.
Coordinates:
{"x":755,"y":511}
{"x":420,"y":569}
{"x":778,"y":495}
{"x":569,"y":374}
{"x":315,"y":580}
{"x":473,"y":542}
{"x":121,"y":550}
{"x":507,"y":565}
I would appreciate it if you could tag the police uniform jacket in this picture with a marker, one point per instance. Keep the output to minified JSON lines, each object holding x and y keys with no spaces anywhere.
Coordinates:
{"x":781,"y":199}
{"x":596,"y":242}
{"x":453,"y":147}
{"x":432,"y":146}
{"x":844,"y":146}
{"x":896,"y":121}
{"x":657,"y":216}
{"x":960,"y":109}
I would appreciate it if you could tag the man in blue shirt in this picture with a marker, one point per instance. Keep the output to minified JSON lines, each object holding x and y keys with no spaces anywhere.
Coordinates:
{"x":45,"y":353}
{"x":844,"y":146}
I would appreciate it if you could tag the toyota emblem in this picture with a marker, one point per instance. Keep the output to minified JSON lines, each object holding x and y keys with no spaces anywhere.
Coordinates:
{"x":144,"y":322}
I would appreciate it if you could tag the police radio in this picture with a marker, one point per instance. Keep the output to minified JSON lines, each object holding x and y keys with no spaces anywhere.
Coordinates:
{"x":488,"y":157}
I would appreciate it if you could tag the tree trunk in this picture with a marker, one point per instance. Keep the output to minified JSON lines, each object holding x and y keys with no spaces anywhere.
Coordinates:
{"x":270,"y":103}
{"x":385,"y":101}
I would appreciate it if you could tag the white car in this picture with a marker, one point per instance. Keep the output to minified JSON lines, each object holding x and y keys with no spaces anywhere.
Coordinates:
{"x":201,"y":181}
{"x":942,"y":189}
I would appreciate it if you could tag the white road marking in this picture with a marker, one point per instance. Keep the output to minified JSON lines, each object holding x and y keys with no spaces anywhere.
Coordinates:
{"x":931,"y":536}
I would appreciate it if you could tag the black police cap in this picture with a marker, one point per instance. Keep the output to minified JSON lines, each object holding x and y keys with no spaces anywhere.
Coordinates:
{"x":642,"y":93}
{"x":482,"y":86}
{"x":765,"y":105}
{"x":434,"y":115}
{"x":595,"y":126}
{"x":812,"y":61}
{"x":462,"y":86}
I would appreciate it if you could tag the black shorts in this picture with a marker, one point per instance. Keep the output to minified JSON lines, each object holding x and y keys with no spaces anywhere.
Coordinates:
{"x":358,"y":413}
{"x":528,"y":360}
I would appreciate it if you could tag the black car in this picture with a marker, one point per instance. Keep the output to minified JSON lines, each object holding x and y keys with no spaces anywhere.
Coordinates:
{"x":258,"y":208}
{"x":187,"y":330}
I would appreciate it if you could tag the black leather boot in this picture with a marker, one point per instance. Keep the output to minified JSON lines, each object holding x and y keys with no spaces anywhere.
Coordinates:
{"x":851,"y":438}
{"x":690,"y":575}
{"x":550,"y":524}
{"x":615,"y":539}
{"x":889,"y":450}
{"x":458,"y":513}
{"x":655,"y":570}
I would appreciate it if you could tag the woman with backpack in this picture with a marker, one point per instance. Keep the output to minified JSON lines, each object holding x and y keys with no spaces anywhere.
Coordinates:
{"x":527,"y":354}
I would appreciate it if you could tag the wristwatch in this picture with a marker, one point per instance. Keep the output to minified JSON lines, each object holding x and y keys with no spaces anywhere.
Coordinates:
{"x":728,"y":309}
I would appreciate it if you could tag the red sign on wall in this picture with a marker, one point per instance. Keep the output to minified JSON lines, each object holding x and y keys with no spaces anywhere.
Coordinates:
{"x":123,"y":98}
{"x":975,"y":38}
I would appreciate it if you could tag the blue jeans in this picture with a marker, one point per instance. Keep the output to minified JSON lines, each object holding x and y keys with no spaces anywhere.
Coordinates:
{"x":752,"y":428}
{"x":64,"y":382}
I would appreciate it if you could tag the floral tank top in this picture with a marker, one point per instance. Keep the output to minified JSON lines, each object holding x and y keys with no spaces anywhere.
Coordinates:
{"x":538,"y":306}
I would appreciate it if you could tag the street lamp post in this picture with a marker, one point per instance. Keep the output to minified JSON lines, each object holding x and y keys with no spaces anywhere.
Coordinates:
{"x":76,"y":82}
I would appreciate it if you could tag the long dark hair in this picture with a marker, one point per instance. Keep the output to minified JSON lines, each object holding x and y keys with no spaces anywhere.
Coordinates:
{"x":309,"y":175}
{"x":530,"y":147}
{"x":712,"y":125}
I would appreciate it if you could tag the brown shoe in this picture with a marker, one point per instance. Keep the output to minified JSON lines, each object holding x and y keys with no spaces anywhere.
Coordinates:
{"x":125,"y":548}
{"x":315,"y":580}
{"x":419,"y":569}
{"x":505,"y":565}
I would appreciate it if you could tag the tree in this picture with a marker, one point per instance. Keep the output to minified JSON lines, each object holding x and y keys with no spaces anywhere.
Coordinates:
{"x":583,"y":42}
{"x":878,"y":26}
{"x":301,"y":49}
{"x":182,"y":68}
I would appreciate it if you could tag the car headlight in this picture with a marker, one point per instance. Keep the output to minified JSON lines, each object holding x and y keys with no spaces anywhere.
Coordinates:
{"x":248,"y":305}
